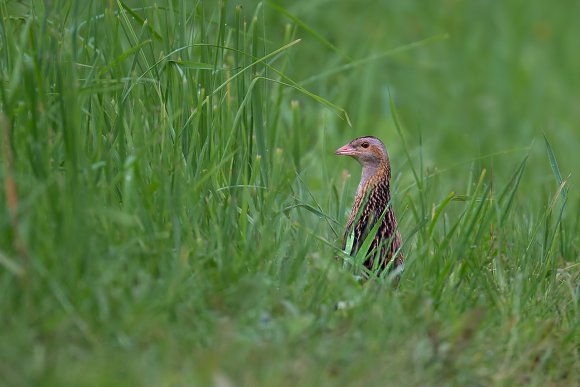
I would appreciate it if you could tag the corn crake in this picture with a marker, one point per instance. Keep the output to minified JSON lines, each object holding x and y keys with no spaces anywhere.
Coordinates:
{"x":372,"y":210}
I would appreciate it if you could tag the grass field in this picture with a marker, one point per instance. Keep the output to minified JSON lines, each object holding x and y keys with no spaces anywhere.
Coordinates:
{"x":171,"y":205}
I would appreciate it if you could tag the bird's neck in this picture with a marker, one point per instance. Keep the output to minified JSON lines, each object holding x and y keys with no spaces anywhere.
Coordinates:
{"x":372,"y":176}
{"x":374,"y":180}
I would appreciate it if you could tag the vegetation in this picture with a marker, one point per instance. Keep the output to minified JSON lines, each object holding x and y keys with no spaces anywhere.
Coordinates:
{"x":171,"y":205}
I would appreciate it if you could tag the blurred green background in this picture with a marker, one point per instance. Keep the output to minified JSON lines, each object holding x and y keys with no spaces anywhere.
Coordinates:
{"x":487,"y":78}
{"x":172,"y":205}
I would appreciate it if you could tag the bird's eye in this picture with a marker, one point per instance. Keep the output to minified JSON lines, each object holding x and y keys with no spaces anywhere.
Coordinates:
{"x":365,"y":145}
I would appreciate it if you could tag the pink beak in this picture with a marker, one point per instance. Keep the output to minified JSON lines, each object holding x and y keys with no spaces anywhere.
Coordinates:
{"x":346,"y":150}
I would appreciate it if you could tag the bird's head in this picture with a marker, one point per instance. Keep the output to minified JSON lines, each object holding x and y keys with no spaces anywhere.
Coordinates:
{"x":369,"y":151}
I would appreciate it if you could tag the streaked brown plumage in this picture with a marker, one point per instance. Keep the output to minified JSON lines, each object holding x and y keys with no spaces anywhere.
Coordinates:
{"x":373,"y":196}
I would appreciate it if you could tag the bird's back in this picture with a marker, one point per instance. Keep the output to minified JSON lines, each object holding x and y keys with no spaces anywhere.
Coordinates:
{"x":372,"y":204}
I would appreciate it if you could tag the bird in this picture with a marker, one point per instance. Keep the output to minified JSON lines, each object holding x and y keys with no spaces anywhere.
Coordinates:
{"x":372,"y":204}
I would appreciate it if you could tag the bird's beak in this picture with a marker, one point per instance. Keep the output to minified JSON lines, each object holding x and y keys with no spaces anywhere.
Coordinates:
{"x":346,"y":150}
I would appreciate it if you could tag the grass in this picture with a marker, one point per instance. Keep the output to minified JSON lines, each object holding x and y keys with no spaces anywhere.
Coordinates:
{"x":171,"y":205}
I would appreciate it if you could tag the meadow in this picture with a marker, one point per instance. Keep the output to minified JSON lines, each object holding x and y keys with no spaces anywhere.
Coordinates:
{"x":171,"y":205}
